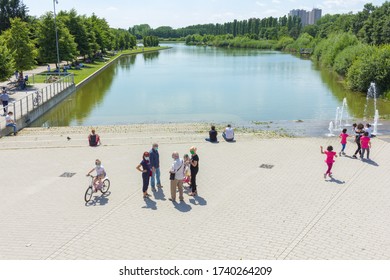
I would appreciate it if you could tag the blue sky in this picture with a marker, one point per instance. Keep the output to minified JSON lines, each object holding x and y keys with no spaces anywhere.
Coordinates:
{"x":182,"y":13}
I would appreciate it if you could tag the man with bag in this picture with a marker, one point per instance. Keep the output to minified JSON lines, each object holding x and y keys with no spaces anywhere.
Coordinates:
{"x":176,"y":177}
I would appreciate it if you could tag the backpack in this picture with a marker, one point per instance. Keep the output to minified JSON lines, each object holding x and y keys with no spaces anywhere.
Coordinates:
{"x":92,"y":140}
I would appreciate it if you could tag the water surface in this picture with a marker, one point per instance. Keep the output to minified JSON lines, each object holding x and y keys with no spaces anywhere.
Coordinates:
{"x":191,"y":84}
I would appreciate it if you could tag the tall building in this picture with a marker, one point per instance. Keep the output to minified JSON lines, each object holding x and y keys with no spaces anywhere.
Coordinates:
{"x":307,"y":17}
{"x":314,"y":15}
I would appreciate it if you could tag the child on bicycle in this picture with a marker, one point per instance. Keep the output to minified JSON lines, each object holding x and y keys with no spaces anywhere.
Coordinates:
{"x":100,"y":175}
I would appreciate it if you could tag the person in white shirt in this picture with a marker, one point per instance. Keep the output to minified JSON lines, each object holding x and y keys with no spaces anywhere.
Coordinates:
{"x":177,"y":169}
{"x":368,"y":129}
{"x":100,"y":174}
{"x":228,"y":134}
{"x":10,"y":122}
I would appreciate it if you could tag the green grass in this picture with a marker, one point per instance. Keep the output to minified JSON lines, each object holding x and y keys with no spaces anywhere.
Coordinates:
{"x":91,"y":68}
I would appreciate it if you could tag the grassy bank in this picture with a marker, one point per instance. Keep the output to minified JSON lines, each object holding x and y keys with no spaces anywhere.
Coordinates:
{"x":91,"y":68}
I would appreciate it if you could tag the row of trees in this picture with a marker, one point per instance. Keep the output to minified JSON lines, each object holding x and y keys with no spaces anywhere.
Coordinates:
{"x":270,"y":28}
{"x":26,"y":41}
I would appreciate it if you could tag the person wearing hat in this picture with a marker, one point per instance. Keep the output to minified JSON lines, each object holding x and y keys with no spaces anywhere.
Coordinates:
{"x":146,"y":172}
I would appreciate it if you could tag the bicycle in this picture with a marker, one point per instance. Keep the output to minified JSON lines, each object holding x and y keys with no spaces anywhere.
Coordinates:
{"x":102,"y":187}
{"x":37,"y":99}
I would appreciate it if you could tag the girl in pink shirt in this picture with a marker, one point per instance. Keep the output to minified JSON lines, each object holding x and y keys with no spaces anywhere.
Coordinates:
{"x":343,"y":137}
{"x":329,"y":159}
{"x":366,"y":144}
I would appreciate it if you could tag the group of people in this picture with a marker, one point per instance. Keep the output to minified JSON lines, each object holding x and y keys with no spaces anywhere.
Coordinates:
{"x":228,"y":134}
{"x":362,"y":136}
{"x":21,"y":80}
{"x":181,"y":169}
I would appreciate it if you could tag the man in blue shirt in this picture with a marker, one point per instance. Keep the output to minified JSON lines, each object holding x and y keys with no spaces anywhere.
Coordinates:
{"x":155,"y":163}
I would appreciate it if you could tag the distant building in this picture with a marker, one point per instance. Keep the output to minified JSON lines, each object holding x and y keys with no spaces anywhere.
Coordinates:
{"x":314,"y":16}
{"x":307,"y":17}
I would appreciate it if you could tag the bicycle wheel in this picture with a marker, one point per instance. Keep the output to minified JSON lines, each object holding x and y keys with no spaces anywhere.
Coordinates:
{"x":105,"y":186}
{"x":88,"y":194}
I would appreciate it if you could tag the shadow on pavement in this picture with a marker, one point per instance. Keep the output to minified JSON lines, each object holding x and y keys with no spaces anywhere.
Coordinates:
{"x":334,"y":180}
{"x":98,"y":200}
{"x":198,"y":200}
{"x":150,"y":204}
{"x":182,"y":206}
{"x":370,"y":162}
{"x":159,"y":194}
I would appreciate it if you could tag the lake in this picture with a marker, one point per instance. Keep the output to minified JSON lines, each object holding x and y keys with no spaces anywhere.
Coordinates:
{"x":207,"y":84}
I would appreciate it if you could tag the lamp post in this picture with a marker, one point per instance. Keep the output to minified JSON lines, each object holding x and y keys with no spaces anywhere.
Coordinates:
{"x":55,"y":26}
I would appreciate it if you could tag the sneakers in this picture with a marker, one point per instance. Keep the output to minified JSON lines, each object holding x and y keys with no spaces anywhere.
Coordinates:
{"x":343,"y":153}
{"x":354,"y":156}
{"x":340,"y":154}
{"x":159,"y":186}
{"x":154,"y":189}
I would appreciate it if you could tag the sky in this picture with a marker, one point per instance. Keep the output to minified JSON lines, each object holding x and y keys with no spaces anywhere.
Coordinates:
{"x":176,"y":13}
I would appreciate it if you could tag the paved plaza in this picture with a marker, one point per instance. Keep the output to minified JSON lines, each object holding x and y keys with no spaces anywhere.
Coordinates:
{"x":286,"y":212}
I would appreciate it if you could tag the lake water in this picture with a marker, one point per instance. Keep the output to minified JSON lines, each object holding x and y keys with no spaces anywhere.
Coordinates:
{"x":193,"y":84}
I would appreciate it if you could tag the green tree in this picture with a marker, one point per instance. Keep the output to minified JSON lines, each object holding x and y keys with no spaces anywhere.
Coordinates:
{"x":47,"y":41}
{"x":349,"y":55}
{"x":10,"y":9}
{"x":77,"y":27}
{"x":104,"y":37}
{"x":7,"y":65}
{"x":21,"y":46}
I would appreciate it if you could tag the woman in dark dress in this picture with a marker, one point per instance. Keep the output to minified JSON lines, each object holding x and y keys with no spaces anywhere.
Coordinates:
{"x":194,"y":167}
{"x":359,"y":131}
{"x":146,"y":172}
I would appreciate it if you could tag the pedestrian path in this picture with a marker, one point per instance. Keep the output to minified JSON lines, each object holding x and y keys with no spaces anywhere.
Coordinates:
{"x":286,"y":211}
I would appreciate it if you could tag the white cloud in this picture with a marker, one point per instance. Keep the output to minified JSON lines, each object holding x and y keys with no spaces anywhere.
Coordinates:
{"x":258,"y":3}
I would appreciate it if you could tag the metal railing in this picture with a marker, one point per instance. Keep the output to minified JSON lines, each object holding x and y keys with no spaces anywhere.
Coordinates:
{"x":23,"y":106}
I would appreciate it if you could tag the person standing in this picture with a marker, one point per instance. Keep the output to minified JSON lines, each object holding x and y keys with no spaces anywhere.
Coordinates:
{"x":155,"y":164}
{"x":365,"y":144}
{"x":329,"y":159}
{"x":359,"y":130}
{"x":146,"y":172}
{"x":4,"y":99}
{"x":177,"y":169}
{"x":368,"y":129}
{"x":343,"y":137}
{"x":10,"y":122}
{"x":194,"y":167}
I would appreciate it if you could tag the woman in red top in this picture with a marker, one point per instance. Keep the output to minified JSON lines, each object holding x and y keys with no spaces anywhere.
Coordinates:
{"x":329,"y":159}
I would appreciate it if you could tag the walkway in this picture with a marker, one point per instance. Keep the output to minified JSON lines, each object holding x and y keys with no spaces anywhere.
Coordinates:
{"x":242,"y":211}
